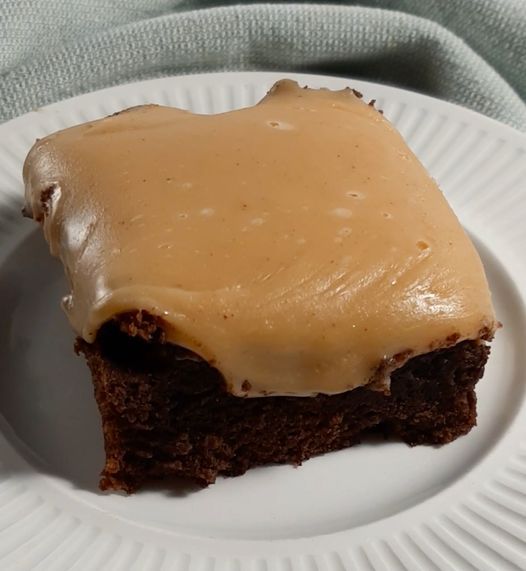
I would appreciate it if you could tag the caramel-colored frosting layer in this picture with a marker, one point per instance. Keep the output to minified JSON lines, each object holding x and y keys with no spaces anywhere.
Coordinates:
{"x":297,"y":245}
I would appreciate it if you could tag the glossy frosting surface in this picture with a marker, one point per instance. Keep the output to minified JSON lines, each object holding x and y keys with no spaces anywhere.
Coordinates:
{"x":297,"y":244}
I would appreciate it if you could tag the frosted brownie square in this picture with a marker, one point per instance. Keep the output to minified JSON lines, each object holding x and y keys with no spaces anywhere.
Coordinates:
{"x":260,"y":286}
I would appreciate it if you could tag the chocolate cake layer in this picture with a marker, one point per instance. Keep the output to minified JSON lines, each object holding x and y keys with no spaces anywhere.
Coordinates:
{"x":166,"y":413}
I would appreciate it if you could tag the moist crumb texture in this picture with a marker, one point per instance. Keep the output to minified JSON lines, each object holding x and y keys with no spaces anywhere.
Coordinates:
{"x":166,"y":412}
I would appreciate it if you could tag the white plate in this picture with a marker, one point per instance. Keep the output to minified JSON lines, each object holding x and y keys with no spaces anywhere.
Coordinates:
{"x":373,"y":507}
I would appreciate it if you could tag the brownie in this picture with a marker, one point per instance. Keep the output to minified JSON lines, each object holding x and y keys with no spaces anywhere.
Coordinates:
{"x":260,"y":286}
{"x":166,"y":413}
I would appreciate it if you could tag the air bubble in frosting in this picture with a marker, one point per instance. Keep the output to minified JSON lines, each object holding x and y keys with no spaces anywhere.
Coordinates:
{"x":355,"y":194}
{"x":281,"y":125}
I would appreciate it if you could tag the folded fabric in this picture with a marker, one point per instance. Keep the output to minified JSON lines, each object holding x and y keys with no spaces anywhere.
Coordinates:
{"x":471,"y":52}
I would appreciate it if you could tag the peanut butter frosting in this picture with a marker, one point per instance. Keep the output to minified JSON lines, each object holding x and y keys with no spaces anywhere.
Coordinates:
{"x":299,"y":246}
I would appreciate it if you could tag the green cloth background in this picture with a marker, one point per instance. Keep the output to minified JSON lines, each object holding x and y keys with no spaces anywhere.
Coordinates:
{"x":471,"y":52}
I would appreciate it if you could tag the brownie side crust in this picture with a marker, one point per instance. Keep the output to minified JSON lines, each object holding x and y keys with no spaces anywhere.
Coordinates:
{"x":166,"y":413}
